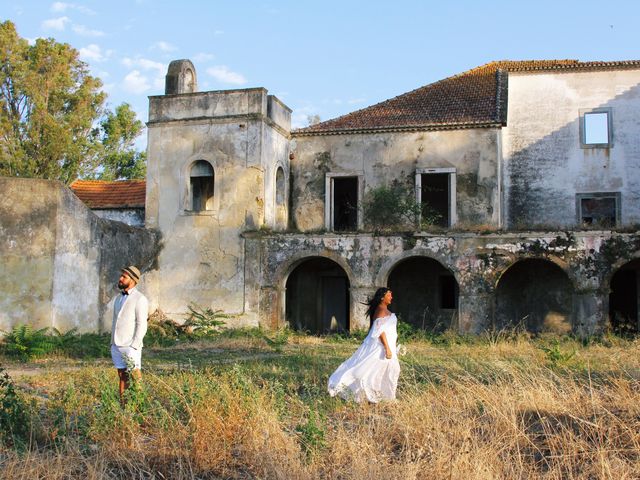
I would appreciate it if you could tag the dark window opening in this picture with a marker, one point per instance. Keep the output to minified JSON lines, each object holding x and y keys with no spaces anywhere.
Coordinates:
{"x":448,"y":292}
{"x":435,"y":199}
{"x":624,"y":299}
{"x":201,"y":186}
{"x":345,"y":203}
{"x":600,"y":211}
{"x":280,"y":186}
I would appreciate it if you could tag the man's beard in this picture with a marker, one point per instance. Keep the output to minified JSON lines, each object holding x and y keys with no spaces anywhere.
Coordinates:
{"x":121,"y":286}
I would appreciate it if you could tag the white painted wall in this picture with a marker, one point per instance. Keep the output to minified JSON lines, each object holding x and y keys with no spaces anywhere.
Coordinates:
{"x":544,"y":164}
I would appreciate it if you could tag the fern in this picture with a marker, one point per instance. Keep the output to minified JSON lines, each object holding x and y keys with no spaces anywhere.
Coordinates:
{"x":26,"y":343}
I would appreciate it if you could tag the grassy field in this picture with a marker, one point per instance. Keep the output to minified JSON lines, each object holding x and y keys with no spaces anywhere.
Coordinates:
{"x":245,"y":405}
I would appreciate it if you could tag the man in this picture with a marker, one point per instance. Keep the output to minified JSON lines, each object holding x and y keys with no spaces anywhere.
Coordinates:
{"x":130,"y":313}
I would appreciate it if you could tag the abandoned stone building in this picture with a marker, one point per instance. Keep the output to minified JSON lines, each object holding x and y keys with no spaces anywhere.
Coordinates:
{"x":529,"y":170}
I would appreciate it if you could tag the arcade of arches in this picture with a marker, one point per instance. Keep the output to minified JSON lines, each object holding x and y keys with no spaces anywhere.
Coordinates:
{"x":467,"y":283}
{"x":533,"y":294}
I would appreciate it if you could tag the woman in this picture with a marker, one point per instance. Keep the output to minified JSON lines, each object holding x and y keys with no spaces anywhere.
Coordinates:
{"x":373,"y":370}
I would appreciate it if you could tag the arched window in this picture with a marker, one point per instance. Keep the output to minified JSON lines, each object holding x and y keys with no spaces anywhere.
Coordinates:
{"x":280,"y":187}
{"x":201,"y":178}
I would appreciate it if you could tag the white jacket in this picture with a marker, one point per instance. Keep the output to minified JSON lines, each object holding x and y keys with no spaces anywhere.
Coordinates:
{"x":130,"y":324}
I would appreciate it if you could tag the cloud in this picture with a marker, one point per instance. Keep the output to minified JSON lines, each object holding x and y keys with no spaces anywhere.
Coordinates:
{"x":164,"y":47}
{"x":55,"y":23}
{"x":86,"y":32}
{"x":355,"y":101}
{"x":63,"y":7}
{"x":92,"y":52}
{"x":203,"y":57}
{"x":224,"y":75}
{"x":144,"y":63}
{"x":136,"y":83}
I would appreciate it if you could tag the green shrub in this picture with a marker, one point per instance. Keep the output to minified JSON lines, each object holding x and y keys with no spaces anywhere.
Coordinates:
{"x":26,"y":343}
{"x":15,"y":424}
{"x":394,"y":208}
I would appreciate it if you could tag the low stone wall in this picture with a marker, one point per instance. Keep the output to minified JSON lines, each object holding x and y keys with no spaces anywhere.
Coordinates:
{"x":59,"y":261}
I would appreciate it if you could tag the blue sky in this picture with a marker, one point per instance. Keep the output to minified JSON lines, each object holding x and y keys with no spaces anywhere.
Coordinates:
{"x":323,"y":58}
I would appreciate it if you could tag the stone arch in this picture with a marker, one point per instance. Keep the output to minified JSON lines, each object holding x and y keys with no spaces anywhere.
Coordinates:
{"x":536,"y":294}
{"x":623,"y":285}
{"x":425,"y":290}
{"x":317,"y":295}
{"x":383,"y":274}
{"x":561,"y":264}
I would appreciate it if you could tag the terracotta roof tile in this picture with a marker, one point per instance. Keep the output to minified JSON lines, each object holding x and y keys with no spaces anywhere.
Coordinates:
{"x":475,"y":98}
{"x":118,"y":194}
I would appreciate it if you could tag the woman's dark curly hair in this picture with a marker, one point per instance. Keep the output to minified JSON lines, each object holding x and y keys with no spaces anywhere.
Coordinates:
{"x":373,"y":303}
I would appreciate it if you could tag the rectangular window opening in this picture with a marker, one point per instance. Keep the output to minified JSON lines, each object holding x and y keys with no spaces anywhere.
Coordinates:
{"x":202,"y":192}
{"x":448,"y":292}
{"x":595,"y":128}
{"x":345,"y":203}
{"x":435,"y":199}
{"x":598,"y":209}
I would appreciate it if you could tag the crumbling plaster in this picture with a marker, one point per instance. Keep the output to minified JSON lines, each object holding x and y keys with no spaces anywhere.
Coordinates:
{"x":544,"y":163}
{"x":243,"y":134}
{"x":477,"y":262}
{"x":60,"y":262}
{"x":382,"y":158}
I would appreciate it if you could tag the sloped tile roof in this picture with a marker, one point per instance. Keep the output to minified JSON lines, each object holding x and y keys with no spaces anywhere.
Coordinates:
{"x":118,"y":194}
{"x":475,"y":98}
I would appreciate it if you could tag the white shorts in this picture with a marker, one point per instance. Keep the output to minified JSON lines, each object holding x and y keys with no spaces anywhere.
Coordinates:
{"x":120,"y":355}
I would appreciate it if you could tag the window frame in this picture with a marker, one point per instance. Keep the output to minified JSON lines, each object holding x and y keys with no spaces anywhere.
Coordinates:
{"x":617,"y":196}
{"x":187,"y":193}
{"x":329,"y":199}
{"x":453,"y":218}
{"x":583,"y":128}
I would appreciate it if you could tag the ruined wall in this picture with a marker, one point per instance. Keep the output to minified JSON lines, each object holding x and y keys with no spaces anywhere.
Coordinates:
{"x":202,"y":261}
{"x":131,"y":216}
{"x":544,"y":163}
{"x":383,"y":157}
{"x":569,"y":292}
{"x":59,"y":261}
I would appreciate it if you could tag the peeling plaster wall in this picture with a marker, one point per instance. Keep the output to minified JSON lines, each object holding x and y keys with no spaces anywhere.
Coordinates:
{"x":203,"y":256}
{"x":59,"y":262}
{"x":384,"y":157}
{"x":133,"y":216}
{"x":588,"y":259}
{"x":544,"y":164}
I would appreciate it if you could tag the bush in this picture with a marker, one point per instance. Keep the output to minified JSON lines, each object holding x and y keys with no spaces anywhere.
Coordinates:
{"x":394,"y":208}
{"x":25,"y":343}
{"x":14,"y":418}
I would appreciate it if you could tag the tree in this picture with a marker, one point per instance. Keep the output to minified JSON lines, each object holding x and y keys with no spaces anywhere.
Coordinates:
{"x":52,"y":121}
{"x":119,"y":157}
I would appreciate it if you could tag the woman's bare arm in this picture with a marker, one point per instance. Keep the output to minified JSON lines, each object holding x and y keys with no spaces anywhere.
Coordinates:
{"x":383,"y":339}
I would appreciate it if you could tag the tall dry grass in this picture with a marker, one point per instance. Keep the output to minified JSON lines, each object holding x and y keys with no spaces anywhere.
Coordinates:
{"x":486,"y":410}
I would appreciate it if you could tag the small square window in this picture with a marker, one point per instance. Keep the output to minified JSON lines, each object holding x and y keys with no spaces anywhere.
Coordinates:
{"x":595,"y":128}
{"x":600,"y":210}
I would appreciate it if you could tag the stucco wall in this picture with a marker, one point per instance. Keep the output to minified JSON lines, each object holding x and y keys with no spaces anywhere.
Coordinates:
{"x":132,"y":216}
{"x":202,"y":261}
{"x":384,"y":157}
{"x":544,"y":164}
{"x":59,"y":261}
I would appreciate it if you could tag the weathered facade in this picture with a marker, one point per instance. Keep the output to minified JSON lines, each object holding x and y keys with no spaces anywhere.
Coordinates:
{"x":527,"y":173}
{"x":530,"y":166}
{"x":59,"y":262}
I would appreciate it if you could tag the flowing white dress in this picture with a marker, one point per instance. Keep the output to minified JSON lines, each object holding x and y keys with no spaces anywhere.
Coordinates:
{"x":368,"y":375}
